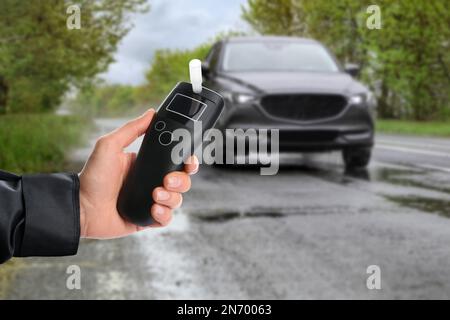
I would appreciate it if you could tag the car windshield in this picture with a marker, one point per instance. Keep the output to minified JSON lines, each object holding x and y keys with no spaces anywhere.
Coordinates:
{"x":277,"y":56}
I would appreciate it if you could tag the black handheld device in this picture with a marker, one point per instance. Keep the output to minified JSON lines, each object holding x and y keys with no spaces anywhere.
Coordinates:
{"x":182,"y":108}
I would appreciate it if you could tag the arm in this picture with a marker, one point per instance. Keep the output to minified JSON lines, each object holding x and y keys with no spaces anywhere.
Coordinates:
{"x":39,"y":215}
{"x":45,"y":215}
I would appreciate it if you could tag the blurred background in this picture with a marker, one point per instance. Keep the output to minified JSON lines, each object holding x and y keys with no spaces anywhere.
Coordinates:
{"x":312,"y":230}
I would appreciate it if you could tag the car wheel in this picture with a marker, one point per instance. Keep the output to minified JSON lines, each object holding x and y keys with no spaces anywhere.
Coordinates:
{"x":356,"y":157}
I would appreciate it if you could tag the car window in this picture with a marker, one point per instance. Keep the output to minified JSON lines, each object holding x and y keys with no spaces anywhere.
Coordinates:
{"x":277,"y":56}
{"x":210,"y":53}
{"x":213,"y":56}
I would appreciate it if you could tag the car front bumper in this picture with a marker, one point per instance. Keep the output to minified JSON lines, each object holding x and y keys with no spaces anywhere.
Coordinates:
{"x":352,"y":128}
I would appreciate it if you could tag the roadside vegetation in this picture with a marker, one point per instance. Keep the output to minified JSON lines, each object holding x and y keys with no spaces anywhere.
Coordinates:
{"x":419,"y":128}
{"x":168,"y":68}
{"x":8,"y":272}
{"x":38,"y":142}
{"x":406,"y":62}
{"x":103,"y":100}
{"x":41,"y":59}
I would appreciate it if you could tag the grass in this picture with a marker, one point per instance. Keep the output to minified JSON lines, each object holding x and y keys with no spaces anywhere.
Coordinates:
{"x":431,"y":128}
{"x":38,"y":142}
{"x":8,"y":271}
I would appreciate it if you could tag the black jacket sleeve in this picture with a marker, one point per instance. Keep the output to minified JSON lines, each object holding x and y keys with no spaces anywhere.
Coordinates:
{"x":39,"y":215}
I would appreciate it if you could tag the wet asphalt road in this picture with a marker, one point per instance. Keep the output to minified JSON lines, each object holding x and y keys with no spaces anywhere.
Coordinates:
{"x":309,"y":232}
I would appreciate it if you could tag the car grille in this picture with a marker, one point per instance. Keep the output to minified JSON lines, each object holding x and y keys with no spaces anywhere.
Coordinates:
{"x":304,"y":107}
{"x":307,"y":136}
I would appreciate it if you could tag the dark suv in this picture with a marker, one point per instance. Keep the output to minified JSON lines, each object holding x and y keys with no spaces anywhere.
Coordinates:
{"x":297,"y":86}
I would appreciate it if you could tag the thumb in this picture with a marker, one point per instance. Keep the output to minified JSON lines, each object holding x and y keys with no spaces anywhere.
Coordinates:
{"x":130,"y":131}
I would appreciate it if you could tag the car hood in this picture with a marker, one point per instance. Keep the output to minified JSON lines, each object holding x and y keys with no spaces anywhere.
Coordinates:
{"x":286,"y":82}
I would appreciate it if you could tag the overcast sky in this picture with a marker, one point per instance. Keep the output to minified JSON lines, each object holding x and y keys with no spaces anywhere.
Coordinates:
{"x":171,"y":24}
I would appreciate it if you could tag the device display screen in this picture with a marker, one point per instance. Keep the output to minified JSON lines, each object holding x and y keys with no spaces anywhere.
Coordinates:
{"x":186,"y":106}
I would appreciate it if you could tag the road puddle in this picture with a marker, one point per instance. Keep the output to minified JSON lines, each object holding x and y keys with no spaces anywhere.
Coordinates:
{"x":413,"y":178}
{"x":418,"y":180}
{"x":430,"y":205}
{"x":219,"y":217}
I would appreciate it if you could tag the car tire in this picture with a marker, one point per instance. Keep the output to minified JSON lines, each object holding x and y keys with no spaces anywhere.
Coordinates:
{"x":356,"y":157}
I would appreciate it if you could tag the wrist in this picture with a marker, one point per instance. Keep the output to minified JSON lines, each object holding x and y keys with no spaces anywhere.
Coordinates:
{"x":82,"y":219}
{"x":83,"y":214}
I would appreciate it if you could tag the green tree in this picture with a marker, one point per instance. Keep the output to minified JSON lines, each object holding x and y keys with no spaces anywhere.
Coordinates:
{"x":106,"y":100}
{"x":335,"y":23}
{"x":409,"y":57}
{"x":40,"y":58}
{"x":280,"y":17}
{"x":169,"y":67}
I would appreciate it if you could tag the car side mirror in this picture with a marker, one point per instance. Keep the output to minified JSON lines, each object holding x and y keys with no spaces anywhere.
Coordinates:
{"x":205,"y":69}
{"x":352,"y":69}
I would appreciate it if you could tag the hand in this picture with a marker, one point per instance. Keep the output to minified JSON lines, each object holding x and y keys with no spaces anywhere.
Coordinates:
{"x":102,"y":178}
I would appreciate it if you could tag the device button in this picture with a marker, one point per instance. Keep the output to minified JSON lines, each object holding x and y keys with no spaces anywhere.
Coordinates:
{"x":165,"y":138}
{"x":160,"y":125}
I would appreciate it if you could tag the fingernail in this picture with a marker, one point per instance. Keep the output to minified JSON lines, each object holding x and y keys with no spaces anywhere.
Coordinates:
{"x":159,"y":211}
{"x":162,"y":195}
{"x":174,"y":181}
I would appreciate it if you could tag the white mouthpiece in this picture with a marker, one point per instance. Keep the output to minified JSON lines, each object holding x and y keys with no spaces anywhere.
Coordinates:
{"x":195,"y":73}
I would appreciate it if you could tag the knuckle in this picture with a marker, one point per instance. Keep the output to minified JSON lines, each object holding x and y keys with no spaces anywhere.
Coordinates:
{"x":103,"y":142}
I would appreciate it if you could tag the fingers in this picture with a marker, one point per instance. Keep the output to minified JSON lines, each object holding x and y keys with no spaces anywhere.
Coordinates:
{"x":191,"y":166}
{"x":167,"y":198}
{"x":161,"y":214}
{"x":177,"y":181}
{"x":165,"y":201}
{"x":125,"y":135}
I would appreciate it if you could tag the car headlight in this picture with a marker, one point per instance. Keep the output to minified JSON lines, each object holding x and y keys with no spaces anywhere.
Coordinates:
{"x":242,"y":98}
{"x":239,"y":98}
{"x":358,"y":99}
{"x":367,"y":99}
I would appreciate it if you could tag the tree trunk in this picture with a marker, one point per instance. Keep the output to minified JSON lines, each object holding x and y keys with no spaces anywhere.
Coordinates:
{"x":385,"y":110}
